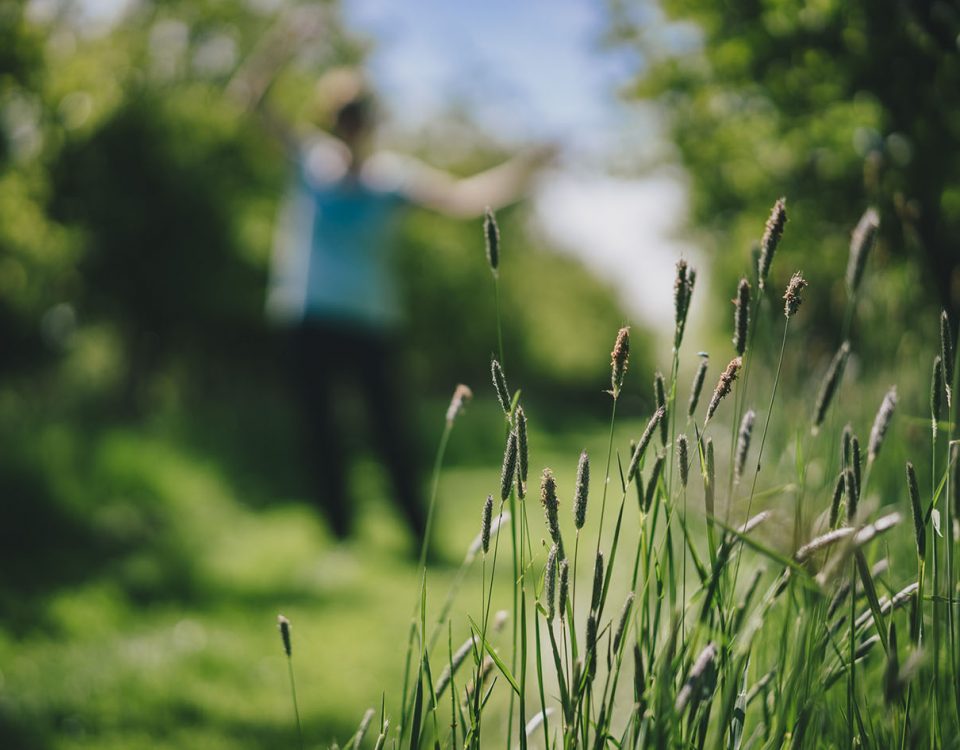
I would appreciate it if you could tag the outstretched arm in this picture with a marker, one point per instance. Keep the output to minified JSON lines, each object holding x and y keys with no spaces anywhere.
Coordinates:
{"x":252,"y":80}
{"x":468,"y":197}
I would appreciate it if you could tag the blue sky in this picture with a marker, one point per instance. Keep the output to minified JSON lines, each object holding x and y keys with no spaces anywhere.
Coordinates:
{"x":524,"y":69}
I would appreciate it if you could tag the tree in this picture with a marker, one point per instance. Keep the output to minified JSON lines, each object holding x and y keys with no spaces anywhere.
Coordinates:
{"x":837,"y":105}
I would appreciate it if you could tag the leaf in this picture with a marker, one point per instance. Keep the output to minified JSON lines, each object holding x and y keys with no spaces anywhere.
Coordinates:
{"x":496,"y":659}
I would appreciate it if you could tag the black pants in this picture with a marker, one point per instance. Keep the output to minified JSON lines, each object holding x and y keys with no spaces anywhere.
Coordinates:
{"x":326,"y":357}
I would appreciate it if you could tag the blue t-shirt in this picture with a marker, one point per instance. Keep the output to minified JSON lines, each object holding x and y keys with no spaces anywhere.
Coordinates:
{"x":334,"y":236}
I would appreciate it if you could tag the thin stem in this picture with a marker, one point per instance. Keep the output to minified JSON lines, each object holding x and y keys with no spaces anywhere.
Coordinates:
{"x":293,"y":692}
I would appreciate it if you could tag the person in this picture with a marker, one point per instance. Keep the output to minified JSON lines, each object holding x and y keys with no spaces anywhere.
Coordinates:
{"x":332,"y":285}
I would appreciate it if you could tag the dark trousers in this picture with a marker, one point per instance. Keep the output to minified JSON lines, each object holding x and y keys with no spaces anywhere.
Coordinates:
{"x":327,"y":357}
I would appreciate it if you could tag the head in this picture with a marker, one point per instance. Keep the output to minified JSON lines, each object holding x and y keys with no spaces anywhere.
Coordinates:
{"x":345,"y":105}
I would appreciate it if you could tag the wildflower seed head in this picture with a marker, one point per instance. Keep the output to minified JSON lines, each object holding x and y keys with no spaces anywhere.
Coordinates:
{"x":641,"y":448}
{"x":548,"y":498}
{"x":772,"y":232}
{"x":835,"y":502}
{"x":831,"y":381}
{"x":936,"y":393}
{"x":491,"y":236}
{"x":284,"y":625}
{"x":741,"y":316}
{"x":550,"y":583}
{"x":660,"y":393}
{"x":652,"y":484}
{"x":509,"y":468}
{"x":881,"y":423}
{"x":723,"y":386}
{"x":597,"y":583}
{"x":485,"y":523}
{"x":743,"y":443}
{"x":564,"y":587}
{"x":791,"y":298}
{"x":919,"y":528}
{"x":619,"y":359}
{"x":861,"y":242}
{"x":622,"y":623}
{"x":709,"y":477}
{"x":946,"y":354}
{"x":582,"y":491}
{"x":522,"y":452}
{"x":683,"y":458}
{"x":697,"y":384}
{"x":461,"y":395}
{"x":500,"y":386}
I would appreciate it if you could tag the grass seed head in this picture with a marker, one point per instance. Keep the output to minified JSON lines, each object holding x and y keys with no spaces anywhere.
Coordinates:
{"x":881,"y":423}
{"x":682,"y":293}
{"x":891,"y":674}
{"x":486,"y":521}
{"x":550,"y":582}
{"x":856,"y":461}
{"x":743,"y":443}
{"x":284,"y":625}
{"x":641,"y":448}
{"x":835,"y":501}
{"x":946,"y":354}
{"x":699,"y":683}
{"x":709,"y":478}
{"x":660,"y":393}
{"x":845,"y":444}
{"x":851,"y":490}
{"x":522,"y":452}
{"x":831,"y":382}
{"x":622,"y":622}
{"x":551,"y":505}
{"x":461,"y":395}
{"x":936,"y":393}
{"x":723,"y":386}
{"x":591,"y":646}
{"x":683,"y":458}
{"x":597,"y":582}
{"x":564,"y":576}
{"x":581,"y":491}
{"x":791,"y":298}
{"x":861,"y":242}
{"x":509,"y":468}
{"x":697,"y":385}
{"x":652,"y":484}
{"x":919,"y":527}
{"x":500,"y":386}
{"x":491,"y":236}
{"x":741,"y":316}
{"x":619,"y":358}
{"x":772,"y":232}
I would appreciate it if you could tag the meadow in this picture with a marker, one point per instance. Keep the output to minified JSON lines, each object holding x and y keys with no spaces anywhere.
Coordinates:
{"x":676,"y":578}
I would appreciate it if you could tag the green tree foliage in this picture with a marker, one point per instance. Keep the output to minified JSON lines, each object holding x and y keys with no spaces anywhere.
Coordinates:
{"x":837,"y":105}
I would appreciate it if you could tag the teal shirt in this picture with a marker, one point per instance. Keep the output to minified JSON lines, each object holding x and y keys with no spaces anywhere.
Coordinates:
{"x":334,"y":239}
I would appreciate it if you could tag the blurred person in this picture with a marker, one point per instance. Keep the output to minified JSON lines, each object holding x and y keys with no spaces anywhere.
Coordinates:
{"x":333,"y":288}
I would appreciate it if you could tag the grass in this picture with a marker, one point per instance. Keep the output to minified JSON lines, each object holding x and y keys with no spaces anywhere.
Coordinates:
{"x":756,"y":625}
{"x":716,"y":661}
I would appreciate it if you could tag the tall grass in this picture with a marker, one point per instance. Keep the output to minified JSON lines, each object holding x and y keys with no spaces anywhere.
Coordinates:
{"x":742,"y":621}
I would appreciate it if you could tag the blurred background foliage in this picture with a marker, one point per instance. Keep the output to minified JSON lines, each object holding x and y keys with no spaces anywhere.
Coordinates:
{"x":836,"y":105}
